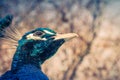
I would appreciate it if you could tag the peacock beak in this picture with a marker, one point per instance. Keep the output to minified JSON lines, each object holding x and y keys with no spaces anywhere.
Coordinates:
{"x":66,"y":37}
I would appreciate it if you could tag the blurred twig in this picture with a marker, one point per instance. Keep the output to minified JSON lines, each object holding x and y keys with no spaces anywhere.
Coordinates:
{"x":94,"y":7}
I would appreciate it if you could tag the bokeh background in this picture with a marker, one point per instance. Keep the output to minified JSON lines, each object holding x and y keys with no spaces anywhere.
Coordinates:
{"x":95,"y":55}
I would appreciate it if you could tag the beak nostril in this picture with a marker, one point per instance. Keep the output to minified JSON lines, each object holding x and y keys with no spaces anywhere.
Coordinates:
{"x":52,"y":37}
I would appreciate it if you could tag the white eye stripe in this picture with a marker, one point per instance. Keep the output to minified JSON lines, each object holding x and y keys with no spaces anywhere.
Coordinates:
{"x":30,"y":36}
{"x":48,"y":32}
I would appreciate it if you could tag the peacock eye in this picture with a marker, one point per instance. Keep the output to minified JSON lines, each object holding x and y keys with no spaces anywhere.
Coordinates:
{"x":38,"y":33}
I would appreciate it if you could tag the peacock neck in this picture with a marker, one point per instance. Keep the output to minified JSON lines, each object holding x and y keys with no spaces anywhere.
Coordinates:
{"x":22,"y":58}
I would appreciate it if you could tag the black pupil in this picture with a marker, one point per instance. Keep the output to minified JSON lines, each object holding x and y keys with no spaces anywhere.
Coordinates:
{"x":38,"y":33}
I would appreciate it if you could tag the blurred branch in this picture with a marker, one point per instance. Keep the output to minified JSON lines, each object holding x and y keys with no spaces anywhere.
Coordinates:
{"x":95,"y":9}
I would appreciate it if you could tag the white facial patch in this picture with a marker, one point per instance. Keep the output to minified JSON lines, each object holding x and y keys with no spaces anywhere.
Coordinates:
{"x":48,"y":32}
{"x":30,"y":36}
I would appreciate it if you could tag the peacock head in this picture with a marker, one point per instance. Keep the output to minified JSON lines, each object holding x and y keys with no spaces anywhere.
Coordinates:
{"x":40,"y":44}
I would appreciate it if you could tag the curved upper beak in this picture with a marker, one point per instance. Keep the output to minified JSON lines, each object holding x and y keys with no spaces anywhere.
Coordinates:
{"x":66,"y":37}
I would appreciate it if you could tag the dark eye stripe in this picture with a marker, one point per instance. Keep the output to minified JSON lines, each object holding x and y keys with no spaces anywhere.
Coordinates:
{"x":38,"y":33}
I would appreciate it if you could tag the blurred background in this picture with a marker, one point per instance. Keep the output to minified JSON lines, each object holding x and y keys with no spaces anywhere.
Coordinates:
{"x":95,"y":55}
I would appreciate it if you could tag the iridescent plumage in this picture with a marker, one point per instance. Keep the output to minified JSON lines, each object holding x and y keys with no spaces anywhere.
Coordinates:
{"x":33,"y":49}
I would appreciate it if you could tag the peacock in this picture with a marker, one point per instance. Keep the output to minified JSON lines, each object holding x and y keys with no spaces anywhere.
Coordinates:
{"x":5,"y":22}
{"x":33,"y":49}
